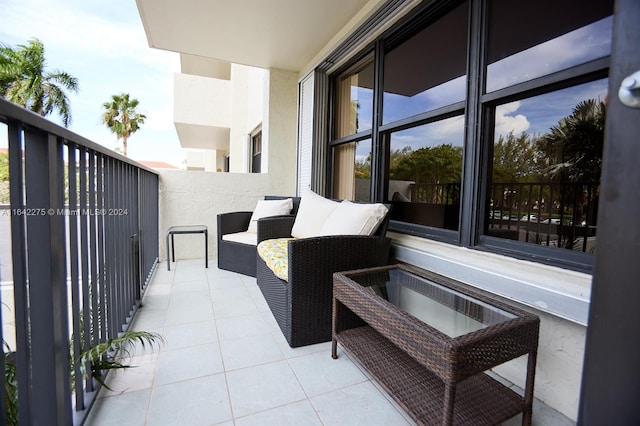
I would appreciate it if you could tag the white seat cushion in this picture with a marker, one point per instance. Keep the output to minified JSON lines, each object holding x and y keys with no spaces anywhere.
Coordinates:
{"x":312,"y":212}
{"x":250,"y":238}
{"x":354,"y":219}
{"x":266,"y":208}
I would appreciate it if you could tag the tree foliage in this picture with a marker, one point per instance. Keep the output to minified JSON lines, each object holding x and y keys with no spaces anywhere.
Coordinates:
{"x":573,"y":147}
{"x":4,"y":166}
{"x":438,"y":164}
{"x":122,"y":118}
{"x":24,"y":80}
{"x":515,"y":159}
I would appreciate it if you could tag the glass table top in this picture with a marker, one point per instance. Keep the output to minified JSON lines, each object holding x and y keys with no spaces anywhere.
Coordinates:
{"x":445,"y":309}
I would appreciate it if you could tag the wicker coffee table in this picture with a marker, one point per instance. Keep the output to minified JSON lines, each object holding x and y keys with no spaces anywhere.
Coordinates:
{"x":428,"y":341}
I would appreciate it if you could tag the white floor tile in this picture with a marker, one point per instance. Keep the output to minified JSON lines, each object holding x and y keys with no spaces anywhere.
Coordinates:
{"x":126,"y":409}
{"x":260,"y":388}
{"x":233,"y":328}
{"x":202,"y":401}
{"x":140,"y":375}
{"x":319,"y":373}
{"x":250,"y":351}
{"x":191,"y":334}
{"x":190,"y":274}
{"x":147,"y":319}
{"x":296,"y":414}
{"x":360,"y":404}
{"x":236,"y":307}
{"x":183,"y":314}
{"x":188,"y":363}
{"x":229,"y":294}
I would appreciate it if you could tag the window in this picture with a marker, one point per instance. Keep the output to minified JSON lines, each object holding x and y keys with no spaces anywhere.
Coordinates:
{"x":424,"y":72}
{"x":482,"y":124}
{"x":354,"y":99}
{"x":545,"y":169}
{"x":521,"y":49}
{"x":256,"y":152}
{"x":351,"y":151}
{"x":425,"y":172}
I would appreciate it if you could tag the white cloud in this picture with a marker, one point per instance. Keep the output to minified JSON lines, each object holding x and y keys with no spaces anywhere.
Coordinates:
{"x":506,"y":122}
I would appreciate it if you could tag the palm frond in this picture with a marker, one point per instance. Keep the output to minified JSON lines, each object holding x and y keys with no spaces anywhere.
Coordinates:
{"x":115,"y":353}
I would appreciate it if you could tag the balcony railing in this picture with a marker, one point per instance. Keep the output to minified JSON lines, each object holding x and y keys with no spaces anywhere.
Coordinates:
{"x":84,"y":243}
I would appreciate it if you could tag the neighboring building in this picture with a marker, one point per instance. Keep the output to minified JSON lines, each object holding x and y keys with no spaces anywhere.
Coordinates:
{"x":218,"y":111}
{"x":478,"y":93}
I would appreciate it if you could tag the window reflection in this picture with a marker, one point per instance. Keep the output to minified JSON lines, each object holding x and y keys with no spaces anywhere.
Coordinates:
{"x":427,"y":71}
{"x":521,"y":48}
{"x":545,"y":179}
{"x":352,"y":171}
{"x":354,"y":100}
{"x":425,"y":169}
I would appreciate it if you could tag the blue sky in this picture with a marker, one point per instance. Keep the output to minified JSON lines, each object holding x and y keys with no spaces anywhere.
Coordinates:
{"x":104,"y":46}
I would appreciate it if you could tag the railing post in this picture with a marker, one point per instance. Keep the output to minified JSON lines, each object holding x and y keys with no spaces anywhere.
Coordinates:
{"x":50,"y":381}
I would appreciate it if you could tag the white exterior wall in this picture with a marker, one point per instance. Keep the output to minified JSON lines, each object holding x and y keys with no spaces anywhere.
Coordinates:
{"x":201,"y":100}
{"x":280,"y":126}
{"x":194,"y":197}
{"x":247,"y":100}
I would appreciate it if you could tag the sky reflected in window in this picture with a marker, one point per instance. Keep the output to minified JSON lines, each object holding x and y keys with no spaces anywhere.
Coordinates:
{"x":580,"y":46}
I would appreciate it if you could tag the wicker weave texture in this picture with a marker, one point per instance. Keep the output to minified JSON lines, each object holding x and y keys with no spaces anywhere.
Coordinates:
{"x":445,"y":365}
{"x":303,"y":305}
{"x":241,"y":258}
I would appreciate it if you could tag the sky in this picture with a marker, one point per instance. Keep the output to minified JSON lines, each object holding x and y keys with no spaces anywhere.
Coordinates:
{"x":103,"y":45}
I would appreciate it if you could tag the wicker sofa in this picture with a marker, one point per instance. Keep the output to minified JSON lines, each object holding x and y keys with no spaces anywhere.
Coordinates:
{"x":302,"y":305}
{"x":240,"y":257}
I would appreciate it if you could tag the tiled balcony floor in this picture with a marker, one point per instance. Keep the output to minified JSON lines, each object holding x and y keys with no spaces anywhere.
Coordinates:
{"x":225,"y":362}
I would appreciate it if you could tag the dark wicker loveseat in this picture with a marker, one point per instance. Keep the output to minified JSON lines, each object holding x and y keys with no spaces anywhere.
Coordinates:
{"x":302,"y":306}
{"x":238,"y":257}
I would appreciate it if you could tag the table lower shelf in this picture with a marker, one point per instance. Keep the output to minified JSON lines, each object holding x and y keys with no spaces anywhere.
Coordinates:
{"x":479,"y":400}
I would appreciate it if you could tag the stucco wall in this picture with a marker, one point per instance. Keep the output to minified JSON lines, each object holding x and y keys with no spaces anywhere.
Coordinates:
{"x":194,"y":197}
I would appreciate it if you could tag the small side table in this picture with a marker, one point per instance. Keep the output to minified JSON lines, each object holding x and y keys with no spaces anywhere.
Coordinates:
{"x":187,"y":229}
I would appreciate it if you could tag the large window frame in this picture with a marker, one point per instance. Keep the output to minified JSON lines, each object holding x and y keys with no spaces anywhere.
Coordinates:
{"x":478,"y":109}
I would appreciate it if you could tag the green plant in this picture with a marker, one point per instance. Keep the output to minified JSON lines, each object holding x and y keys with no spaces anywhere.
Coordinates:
{"x":113,"y":353}
{"x":11,"y":385}
{"x":121,"y":116}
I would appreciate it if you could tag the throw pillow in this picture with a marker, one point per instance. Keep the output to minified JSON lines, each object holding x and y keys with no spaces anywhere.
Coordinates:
{"x":267,"y":208}
{"x":312,"y":212}
{"x":354,"y":219}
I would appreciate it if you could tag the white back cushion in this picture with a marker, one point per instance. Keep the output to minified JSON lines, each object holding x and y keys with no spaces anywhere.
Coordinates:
{"x":312,"y":213}
{"x":354,"y":219}
{"x":266,"y":208}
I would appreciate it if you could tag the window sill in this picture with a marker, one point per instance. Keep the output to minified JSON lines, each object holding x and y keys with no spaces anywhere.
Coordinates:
{"x":557,"y":291}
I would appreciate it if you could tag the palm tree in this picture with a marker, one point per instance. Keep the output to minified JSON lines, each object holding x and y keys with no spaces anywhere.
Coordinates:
{"x":121,"y":117}
{"x":25,"y":81}
{"x":574,"y":146}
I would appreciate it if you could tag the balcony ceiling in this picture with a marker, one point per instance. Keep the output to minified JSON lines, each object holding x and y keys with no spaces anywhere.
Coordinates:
{"x":283,"y":34}
{"x":203,"y":137}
